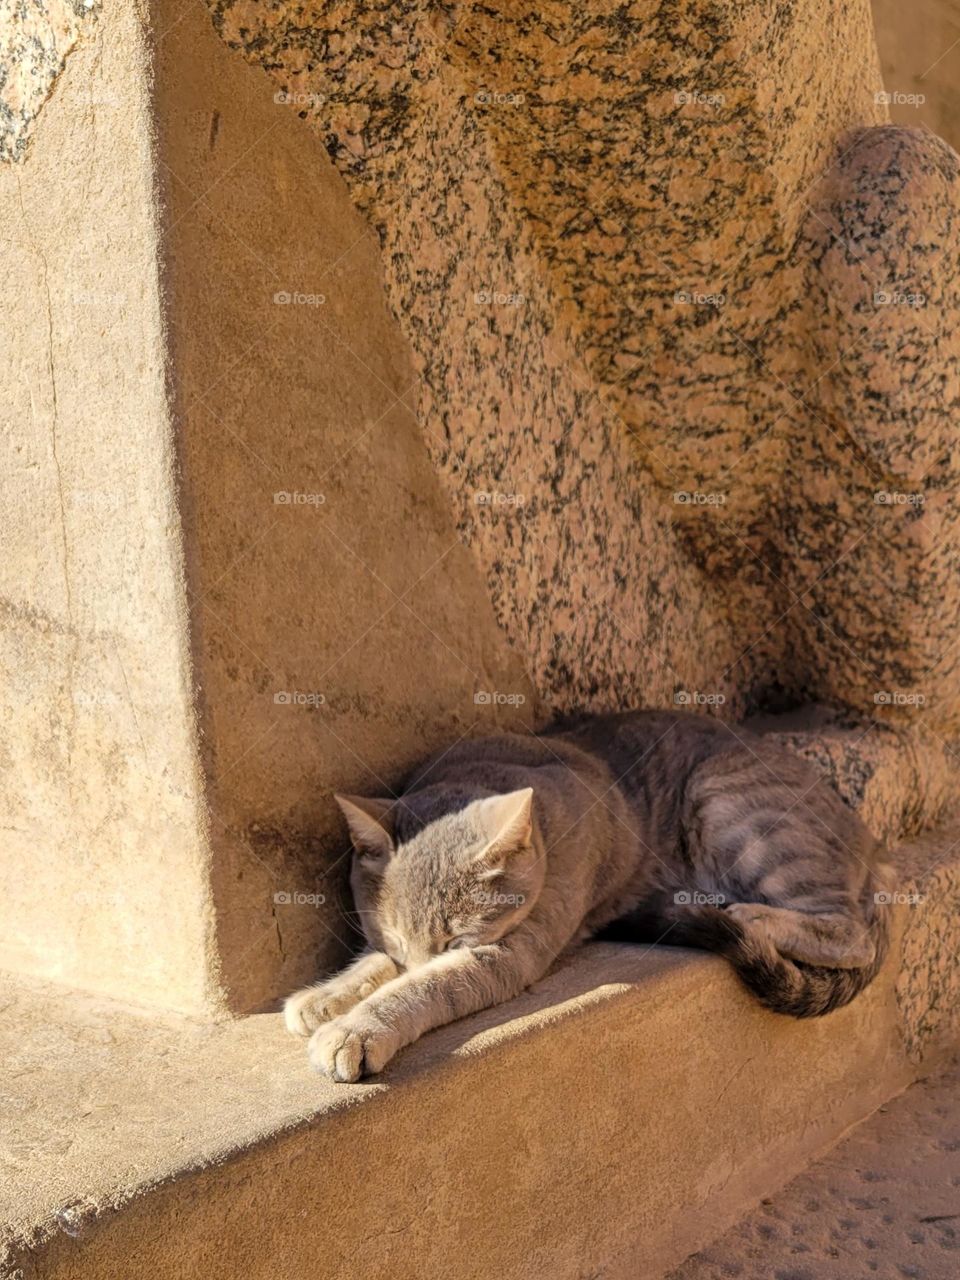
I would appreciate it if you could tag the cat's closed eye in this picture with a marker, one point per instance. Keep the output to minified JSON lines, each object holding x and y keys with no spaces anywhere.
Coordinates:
{"x":455,"y":944}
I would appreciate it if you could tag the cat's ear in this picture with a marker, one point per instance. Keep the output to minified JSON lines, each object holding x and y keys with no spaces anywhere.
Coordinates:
{"x":508,"y":824}
{"x":371,"y":828}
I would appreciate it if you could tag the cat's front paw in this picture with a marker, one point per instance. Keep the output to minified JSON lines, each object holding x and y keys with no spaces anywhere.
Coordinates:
{"x":353,"y":1045}
{"x":310,"y":1008}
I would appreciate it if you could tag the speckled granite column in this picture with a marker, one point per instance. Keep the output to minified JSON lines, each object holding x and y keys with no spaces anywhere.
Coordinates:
{"x":518,"y":399}
{"x":603,"y":232}
{"x":876,"y":477}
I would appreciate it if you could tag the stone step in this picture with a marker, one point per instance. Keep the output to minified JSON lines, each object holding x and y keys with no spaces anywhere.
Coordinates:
{"x":610,"y":1121}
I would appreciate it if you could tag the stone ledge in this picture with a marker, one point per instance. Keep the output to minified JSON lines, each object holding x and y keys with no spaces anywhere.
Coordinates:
{"x":139,"y":1146}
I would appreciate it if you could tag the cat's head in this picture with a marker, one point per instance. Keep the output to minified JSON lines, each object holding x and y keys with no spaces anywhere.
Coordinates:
{"x":429,"y":877}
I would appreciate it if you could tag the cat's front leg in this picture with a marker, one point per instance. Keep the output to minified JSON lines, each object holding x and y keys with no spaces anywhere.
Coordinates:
{"x":308,"y":1009}
{"x":452,"y":985}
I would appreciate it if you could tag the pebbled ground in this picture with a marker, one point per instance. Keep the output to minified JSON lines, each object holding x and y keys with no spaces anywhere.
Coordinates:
{"x":885,"y":1203}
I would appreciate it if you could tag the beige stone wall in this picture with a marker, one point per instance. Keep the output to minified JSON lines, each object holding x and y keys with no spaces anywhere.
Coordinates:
{"x":259,"y":547}
{"x":104,"y":877}
{"x":231,"y":582}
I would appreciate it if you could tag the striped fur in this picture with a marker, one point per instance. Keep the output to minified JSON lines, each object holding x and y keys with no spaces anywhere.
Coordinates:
{"x":782,"y":985}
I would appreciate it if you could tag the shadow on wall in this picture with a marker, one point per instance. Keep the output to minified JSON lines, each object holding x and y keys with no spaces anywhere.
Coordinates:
{"x":920,"y":62}
{"x":340,"y":629}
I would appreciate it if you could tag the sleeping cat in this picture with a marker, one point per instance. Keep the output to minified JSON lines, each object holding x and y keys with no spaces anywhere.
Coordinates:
{"x":665,"y":827}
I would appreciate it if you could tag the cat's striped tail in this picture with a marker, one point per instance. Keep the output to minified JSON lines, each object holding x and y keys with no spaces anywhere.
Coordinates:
{"x":782,"y":985}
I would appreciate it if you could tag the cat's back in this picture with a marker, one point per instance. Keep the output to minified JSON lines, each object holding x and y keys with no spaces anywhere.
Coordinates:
{"x":680,"y":739}
{"x":599,"y":748}
{"x":503,"y":762}
{"x":671,"y":760}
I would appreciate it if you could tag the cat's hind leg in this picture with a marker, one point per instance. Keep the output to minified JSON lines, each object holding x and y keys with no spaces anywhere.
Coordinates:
{"x":831,"y":939}
{"x":309,"y":1008}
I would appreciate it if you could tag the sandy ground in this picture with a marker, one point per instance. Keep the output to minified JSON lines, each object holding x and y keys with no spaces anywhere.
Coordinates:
{"x":885,"y":1203}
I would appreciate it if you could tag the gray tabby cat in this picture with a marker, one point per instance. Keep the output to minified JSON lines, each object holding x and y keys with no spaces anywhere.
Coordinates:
{"x":666,"y":827}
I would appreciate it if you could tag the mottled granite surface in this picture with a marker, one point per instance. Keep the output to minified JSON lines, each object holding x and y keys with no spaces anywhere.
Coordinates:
{"x":35,"y":38}
{"x":641,"y":252}
{"x":928,"y":984}
{"x":880,"y":479}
